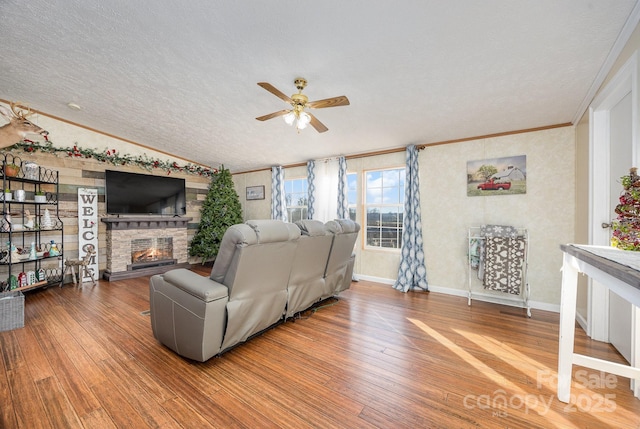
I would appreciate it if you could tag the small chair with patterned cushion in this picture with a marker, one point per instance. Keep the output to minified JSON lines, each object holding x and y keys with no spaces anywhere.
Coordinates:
{"x":83,"y":267}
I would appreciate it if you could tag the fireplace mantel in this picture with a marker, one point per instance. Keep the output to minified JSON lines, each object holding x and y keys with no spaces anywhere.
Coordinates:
{"x":145,"y":222}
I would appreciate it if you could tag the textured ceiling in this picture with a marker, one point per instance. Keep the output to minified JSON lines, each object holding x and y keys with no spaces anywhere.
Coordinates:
{"x":180,"y":76}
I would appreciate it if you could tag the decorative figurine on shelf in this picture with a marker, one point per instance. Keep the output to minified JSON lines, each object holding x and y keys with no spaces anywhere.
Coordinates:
{"x":30,"y":170}
{"x":15,"y":255}
{"x":32,"y":251}
{"x":626,"y":228}
{"x":41,"y":274}
{"x":46,"y":222}
{"x":29,"y":222}
{"x":31,"y":277}
{"x":13,"y":282}
{"x":22,"y":279}
{"x":20,"y":195}
{"x":53,"y":251}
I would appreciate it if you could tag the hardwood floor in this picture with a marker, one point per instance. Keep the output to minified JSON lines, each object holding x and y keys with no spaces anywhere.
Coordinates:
{"x":374,"y":358}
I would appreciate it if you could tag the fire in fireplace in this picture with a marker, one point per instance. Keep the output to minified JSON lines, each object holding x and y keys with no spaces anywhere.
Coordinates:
{"x":145,"y":250}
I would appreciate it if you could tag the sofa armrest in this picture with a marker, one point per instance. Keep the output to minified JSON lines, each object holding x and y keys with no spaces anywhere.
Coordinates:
{"x":199,"y":286}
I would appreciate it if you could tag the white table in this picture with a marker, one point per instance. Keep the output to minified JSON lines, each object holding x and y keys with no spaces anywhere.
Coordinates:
{"x":615,"y":269}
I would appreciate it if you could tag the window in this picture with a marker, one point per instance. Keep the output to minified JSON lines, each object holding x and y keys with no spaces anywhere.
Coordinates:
{"x":296,"y":197}
{"x":352,"y":194}
{"x":384,"y":207}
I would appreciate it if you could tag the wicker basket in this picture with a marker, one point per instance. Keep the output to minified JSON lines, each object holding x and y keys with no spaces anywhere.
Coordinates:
{"x":11,"y":310}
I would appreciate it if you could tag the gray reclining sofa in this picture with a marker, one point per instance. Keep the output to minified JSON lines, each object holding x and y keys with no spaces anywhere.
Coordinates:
{"x":265,"y":272}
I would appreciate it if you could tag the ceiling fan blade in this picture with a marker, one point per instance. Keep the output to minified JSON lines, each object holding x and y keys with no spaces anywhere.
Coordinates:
{"x":273,"y":115}
{"x":272,"y":89}
{"x":329,"y":102}
{"x":315,"y":123}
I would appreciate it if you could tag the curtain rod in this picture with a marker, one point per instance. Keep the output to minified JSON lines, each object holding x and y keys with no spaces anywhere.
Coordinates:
{"x":424,"y":145}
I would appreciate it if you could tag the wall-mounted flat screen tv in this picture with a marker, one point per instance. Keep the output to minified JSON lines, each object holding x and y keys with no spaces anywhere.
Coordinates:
{"x":133,"y":193}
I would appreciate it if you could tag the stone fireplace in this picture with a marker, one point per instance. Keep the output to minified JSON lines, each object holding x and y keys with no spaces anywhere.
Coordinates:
{"x":145,"y":245}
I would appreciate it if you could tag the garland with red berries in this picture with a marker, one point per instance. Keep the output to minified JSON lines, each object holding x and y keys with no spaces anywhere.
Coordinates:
{"x":113,"y":157}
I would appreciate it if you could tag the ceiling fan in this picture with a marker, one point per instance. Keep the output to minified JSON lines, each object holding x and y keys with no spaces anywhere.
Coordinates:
{"x":297,"y":115}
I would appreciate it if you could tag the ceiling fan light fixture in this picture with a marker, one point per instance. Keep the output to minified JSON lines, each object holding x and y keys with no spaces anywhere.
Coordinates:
{"x":290,"y":117}
{"x":303,"y":120}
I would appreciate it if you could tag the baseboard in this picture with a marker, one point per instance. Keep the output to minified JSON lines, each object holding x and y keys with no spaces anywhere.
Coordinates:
{"x":554,"y":308}
{"x":375,"y":279}
{"x":496,"y":299}
{"x":582,"y":322}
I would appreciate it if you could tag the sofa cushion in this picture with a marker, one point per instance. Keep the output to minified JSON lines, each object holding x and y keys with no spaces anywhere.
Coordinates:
{"x":306,"y":280}
{"x":312,"y":228}
{"x":333,"y":227}
{"x":236,"y":236}
{"x":341,"y":259}
{"x":269,"y":231}
{"x":348,"y":225}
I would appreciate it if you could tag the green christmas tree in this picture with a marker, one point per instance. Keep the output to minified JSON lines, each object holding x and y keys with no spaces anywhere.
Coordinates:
{"x":220,"y":210}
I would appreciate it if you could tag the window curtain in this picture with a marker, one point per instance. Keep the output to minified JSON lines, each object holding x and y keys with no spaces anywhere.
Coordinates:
{"x":412,"y":273}
{"x":325,"y":174}
{"x":343,"y":204}
{"x":311,"y":191}
{"x":278,"y":205}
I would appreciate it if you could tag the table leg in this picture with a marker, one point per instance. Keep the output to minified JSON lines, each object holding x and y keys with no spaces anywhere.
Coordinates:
{"x":635,"y":348}
{"x":567,"y":326}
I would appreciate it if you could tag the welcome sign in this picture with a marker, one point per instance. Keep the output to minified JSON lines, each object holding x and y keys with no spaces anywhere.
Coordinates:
{"x":88,"y":229}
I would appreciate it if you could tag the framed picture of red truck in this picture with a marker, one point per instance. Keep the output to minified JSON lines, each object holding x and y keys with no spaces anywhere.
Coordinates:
{"x":497,"y":176}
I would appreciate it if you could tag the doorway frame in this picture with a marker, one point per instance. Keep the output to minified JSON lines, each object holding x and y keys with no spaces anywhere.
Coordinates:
{"x":624,"y":82}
